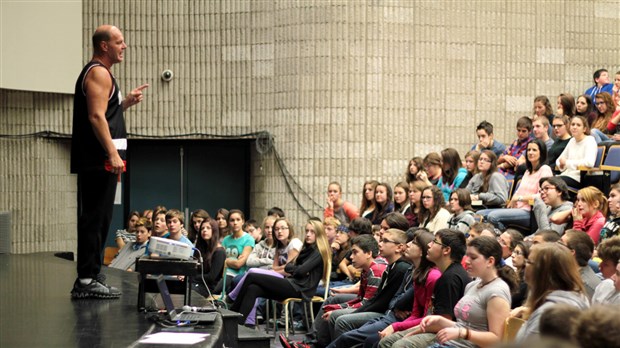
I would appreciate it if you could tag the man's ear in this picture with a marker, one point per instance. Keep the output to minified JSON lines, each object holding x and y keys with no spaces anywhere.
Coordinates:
{"x":446,"y":251}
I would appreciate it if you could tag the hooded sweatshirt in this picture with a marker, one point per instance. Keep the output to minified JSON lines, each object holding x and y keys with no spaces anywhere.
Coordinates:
{"x":462,"y":222}
{"x":531,"y":327}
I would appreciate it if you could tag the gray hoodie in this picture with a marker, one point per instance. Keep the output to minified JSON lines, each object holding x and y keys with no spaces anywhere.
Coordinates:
{"x":531,"y":328}
{"x":462,"y":222}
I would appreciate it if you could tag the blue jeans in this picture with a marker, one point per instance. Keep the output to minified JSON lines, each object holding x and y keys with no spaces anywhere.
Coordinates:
{"x":599,"y":136}
{"x":366,"y":334}
{"x":504,"y":218}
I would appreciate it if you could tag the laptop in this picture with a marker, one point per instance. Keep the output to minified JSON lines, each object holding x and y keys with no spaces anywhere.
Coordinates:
{"x":179,"y":314}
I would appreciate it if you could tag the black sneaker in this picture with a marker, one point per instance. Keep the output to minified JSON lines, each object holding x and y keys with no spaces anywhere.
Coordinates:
{"x":94,"y":289}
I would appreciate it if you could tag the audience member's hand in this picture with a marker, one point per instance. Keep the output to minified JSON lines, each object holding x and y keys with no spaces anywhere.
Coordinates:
{"x":330,"y":202}
{"x":518,"y":312}
{"x":387,"y":331}
{"x":576,"y":215}
{"x":400,"y":314}
{"x":422,"y":175}
{"x":562,"y":162}
{"x":447,"y":334}
{"x":335,"y":246}
{"x":616,"y":137}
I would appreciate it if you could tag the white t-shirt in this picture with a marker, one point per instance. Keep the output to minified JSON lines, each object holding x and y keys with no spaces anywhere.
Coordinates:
{"x":294,"y":244}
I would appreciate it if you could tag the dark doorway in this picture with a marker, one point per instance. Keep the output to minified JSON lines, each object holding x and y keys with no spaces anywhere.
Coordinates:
{"x":185,"y":175}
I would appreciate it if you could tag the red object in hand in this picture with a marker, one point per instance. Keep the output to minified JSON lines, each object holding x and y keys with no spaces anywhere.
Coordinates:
{"x":108,"y":166}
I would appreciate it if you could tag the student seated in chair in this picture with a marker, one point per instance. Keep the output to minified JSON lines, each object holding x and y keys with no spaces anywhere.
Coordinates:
{"x":126,"y":258}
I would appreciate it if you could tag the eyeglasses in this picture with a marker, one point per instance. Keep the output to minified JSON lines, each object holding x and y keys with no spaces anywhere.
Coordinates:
{"x":388,"y":241}
{"x":600,"y":103}
{"x":427,"y":197}
{"x":435,"y":241}
{"x":281,"y":229}
{"x":484,"y":160}
{"x":558,"y":125}
{"x":547,"y":188}
{"x":517,"y":253}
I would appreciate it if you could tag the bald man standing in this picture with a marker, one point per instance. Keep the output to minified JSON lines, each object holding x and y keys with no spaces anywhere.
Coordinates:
{"x":98,"y":150}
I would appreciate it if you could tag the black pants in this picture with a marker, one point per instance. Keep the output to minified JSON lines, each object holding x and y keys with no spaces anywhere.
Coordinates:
{"x":261,"y":285}
{"x":96,"y":190}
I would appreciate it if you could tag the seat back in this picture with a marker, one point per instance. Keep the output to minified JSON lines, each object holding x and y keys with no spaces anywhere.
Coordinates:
{"x":511,"y":327}
{"x":108,"y":255}
{"x":613,"y":159}
{"x":600,"y":154}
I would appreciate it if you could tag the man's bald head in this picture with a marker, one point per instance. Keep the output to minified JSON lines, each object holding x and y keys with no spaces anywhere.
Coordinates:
{"x":102,"y":34}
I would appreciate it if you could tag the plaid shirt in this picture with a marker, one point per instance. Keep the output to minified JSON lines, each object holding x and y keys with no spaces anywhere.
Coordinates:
{"x":516,"y":149}
{"x":369,"y":284}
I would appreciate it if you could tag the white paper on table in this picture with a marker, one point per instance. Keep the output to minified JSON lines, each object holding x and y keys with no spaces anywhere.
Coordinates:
{"x":174,"y":338}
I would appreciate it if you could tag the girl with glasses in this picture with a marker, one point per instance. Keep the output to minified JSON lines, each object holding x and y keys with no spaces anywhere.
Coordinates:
{"x":481,"y":312}
{"x":433,"y":215}
{"x":562,"y":136}
{"x":606,"y":108}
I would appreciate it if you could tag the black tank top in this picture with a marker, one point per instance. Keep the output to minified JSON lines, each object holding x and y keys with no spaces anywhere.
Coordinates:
{"x":86,"y":151}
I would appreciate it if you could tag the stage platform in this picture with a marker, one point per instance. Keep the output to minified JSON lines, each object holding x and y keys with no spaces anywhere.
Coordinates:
{"x":36,"y":309}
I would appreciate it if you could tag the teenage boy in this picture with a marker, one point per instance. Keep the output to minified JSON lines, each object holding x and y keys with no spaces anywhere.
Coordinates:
{"x":608,"y":291}
{"x":486,"y":140}
{"x":399,"y":309}
{"x":252,"y":228}
{"x":582,"y":247}
{"x":601,"y":84}
{"x":160,"y":229}
{"x":508,"y":161}
{"x":446,"y":251}
{"x":126,"y":258}
{"x":175,"y":221}
{"x":391,"y":247}
{"x":363,"y":253}
{"x":553,"y":199}
{"x":541,"y":131}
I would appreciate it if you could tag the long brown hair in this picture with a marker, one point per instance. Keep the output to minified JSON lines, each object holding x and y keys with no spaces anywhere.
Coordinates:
{"x":365,"y":202}
{"x":554,"y":268}
{"x":486,"y":177}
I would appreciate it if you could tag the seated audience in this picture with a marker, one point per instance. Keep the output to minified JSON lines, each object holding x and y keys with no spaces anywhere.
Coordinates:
{"x":471,"y":165}
{"x":612,"y":226}
{"x":520,"y":253}
{"x":486,"y":140}
{"x":452,"y":171}
{"x":609,"y":253}
{"x":368,"y":199}
{"x":585,"y":107}
{"x":252,"y":228}
{"x":552,"y":276}
{"x":263,"y":254}
{"x":337,"y":207}
{"x":126,"y":258}
{"x":432,"y":169}
{"x":331,"y":224}
{"x":518,"y":209}
{"x":160,"y":229}
{"x":597,"y":328}
{"x":582,"y":247}
{"x":608,"y":291}
{"x":553,"y":199}
{"x":606,"y":108}
{"x":541,"y":131}
{"x":433,"y":216}
{"x":424,"y":277}
{"x":197,"y":217}
{"x":462,"y":217}
{"x":488,"y":186}
{"x":303,"y":274}
{"x":481,"y":312}
{"x":580,"y":151}
{"x":238,"y":246}
{"x":416,"y":165}
{"x":589,"y":212}
{"x":601,"y":84}
{"x":446,"y":250}
{"x":383,"y":202}
{"x":209,"y":248}
{"x":175,"y":221}
{"x":561,"y":136}
{"x":566,"y":105}
{"x":508,"y":240}
{"x":507,"y":162}
{"x":545,"y":236}
{"x":129,"y":234}
{"x":276,"y":212}
{"x":402,"y":203}
{"x":221,"y":217}
{"x":415,"y":198}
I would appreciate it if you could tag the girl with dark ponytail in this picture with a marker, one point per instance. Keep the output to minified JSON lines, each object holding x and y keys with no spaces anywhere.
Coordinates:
{"x":481,"y":312}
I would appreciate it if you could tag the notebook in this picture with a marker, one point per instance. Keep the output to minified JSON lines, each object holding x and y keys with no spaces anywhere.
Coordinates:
{"x":180,"y":314}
